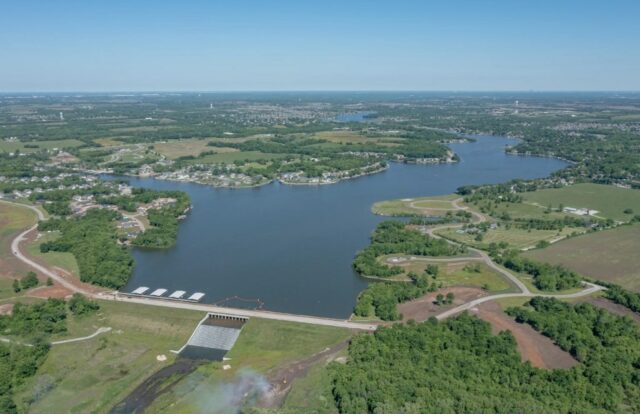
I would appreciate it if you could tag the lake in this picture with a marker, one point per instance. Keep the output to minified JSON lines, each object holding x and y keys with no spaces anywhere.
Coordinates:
{"x":290,"y":248}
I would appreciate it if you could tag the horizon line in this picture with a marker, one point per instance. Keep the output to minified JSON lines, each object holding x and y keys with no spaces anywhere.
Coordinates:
{"x":190,"y":91}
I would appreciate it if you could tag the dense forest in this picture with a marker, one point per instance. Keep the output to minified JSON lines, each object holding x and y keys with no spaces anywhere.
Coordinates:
{"x":93,"y":242}
{"x":458,"y":366}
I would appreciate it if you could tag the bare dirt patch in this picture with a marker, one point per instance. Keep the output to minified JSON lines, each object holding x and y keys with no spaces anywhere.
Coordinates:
{"x":6,"y":309}
{"x":55,"y":291}
{"x":534,"y":347}
{"x":282,"y":379}
{"x":423,"y":308}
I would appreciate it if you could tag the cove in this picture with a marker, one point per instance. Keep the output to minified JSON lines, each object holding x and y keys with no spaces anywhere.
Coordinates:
{"x":290,"y":248}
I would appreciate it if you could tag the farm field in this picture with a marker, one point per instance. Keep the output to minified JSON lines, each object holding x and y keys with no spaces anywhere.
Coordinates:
{"x":91,"y":376}
{"x":12,"y":146}
{"x":517,"y":238}
{"x":610,"y":201}
{"x":610,"y":255}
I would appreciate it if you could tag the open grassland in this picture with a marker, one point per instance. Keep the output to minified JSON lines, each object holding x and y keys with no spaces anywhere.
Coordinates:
{"x":231,"y":156}
{"x":13,"y":220}
{"x":353,"y":137}
{"x":65,"y":261}
{"x":524,"y":211}
{"x":312,"y":394}
{"x":187,"y":147}
{"x":428,"y":206}
{"x":34,"y":146}
{"x":610,"y":201}
{"x":517,"y":238}
{"x":263,"y":345}
{"x":457,"y":273}
{"x":610,"y":255}
{"x":92,"y":376}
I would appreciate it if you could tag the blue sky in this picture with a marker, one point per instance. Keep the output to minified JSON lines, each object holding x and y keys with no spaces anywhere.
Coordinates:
{"x":219,"y":45}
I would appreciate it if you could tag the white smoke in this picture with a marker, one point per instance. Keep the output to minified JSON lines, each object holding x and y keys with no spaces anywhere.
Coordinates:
{"x":247,"y":389}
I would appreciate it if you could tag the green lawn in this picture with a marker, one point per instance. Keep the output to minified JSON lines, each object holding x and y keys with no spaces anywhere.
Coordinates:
{"x":93,"y":375}
{"x":13,"y":220}
{"x":63,"y":260}
{"x":610,"y":201}
{"x":610,"y":255}
{"x":12,"y":146}
{"x":455,"y":274}
{"x":262,"y":345}
{"x":517,"y":238}
{"x":413,"y":206}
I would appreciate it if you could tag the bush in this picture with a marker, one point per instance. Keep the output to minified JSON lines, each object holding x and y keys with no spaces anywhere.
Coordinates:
{"x":79,"y":305}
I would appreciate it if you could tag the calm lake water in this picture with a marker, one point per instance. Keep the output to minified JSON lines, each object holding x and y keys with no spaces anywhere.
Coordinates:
{"x":291,"y":247}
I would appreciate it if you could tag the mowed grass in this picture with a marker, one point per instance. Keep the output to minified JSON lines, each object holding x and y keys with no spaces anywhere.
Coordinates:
{"x":93,"y":375}
{"x":66,"y":261}
{"x":610,"y":201}
{"x":428,"y":206}
{"x":517,"y":238}
{"x":610,"y":255}
{"x":263,"y":345}
{"x":12,"y":146}
{"x":455,"y":274}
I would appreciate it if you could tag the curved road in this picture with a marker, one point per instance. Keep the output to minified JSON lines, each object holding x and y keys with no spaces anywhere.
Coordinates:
{"x":114,"y":296}
{"x":484,"y":257}
{"x":338,"y":323}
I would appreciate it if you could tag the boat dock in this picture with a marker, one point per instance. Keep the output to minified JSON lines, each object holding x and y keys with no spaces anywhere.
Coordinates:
{"x":159,"y":293}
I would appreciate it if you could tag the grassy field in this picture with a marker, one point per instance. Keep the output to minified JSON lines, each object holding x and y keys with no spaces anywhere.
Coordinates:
{"x":412,"y":206}
{"x":312,"y":394}
{"x":12,"y":146}
{"x":62,"y":260}
{"x":263,"y":345}
{"x":13,"y":220}
{"x":93,"y":375}
{"x":610,"y":201}
{"x":180,"y":148}
{"x":229,"y":157}
{"x":353,"y":137}
{"x":517,"y":238}
{"x":455,"y":274}
{"x":525,"y":211}
{"x":610,"y":255}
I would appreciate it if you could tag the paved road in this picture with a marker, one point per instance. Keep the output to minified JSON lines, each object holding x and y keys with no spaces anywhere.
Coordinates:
{"x":338,"y":323}
{"x":15,"y":249}
{"x":591,"y":288}
{"x":83,"y":338}
{"x":314,"y":320}
{"x":524,"y":290}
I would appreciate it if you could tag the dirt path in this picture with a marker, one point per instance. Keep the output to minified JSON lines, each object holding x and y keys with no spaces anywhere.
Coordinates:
{"x":282,"y":379}
{"x":534,"y":347}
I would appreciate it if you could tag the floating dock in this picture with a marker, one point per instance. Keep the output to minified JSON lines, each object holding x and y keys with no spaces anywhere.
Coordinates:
{"x":159,"y":293}
{"x":140,"y":290}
